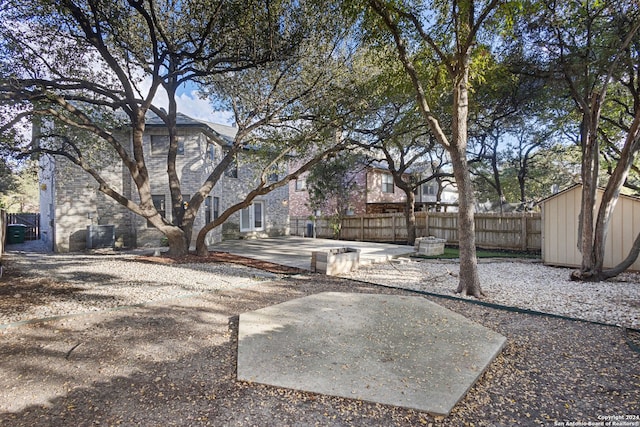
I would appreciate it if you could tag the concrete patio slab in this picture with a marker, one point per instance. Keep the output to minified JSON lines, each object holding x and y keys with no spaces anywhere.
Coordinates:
{"x":396,"y":350}
{"x":295,"y":251}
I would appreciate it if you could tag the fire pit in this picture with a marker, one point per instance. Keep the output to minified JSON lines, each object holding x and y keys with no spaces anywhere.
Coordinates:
{"x":335,"y":260}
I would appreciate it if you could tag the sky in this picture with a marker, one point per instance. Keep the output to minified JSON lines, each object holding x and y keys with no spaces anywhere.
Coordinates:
{"x":190,"y":103}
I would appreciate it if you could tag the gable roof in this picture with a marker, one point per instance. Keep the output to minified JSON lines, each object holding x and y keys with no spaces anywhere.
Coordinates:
{"x":573,"y":186}
{"x":222,"y":134}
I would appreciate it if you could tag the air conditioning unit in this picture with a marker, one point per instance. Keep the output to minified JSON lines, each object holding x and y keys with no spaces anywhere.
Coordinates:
{"x":101,"y":236}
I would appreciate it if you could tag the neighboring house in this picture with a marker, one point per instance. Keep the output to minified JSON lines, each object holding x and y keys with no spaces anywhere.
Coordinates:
{"x":375,"y":192}
{"x":70,"y":202}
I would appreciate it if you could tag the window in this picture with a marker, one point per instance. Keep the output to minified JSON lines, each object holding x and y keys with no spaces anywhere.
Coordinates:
{"x":387,"y":183}
{"x":301,"y":184}
{"x":232,"y":169}
{"x":160,"y":144}
{"x":252,"y":218}
{"x":211,"y":152}
{"x":180,"y":145}
{"x":159,"y":204}
{"x":428,"y":190}
{"x":207,"y":210}
{"x":211,"y":209}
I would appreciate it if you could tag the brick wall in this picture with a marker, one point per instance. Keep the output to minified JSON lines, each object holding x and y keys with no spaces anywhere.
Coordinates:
{"x":374,"y":189}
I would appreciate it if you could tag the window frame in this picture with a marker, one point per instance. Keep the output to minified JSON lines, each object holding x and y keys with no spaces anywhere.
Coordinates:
{"x":157,"y":151}
{"x":387,"y":185}
{"x":156,"y":148}
{"x":248,"y":219}
{"x":428,"y":189}
{"x":301,"y":184}
{"x":211,"y":152}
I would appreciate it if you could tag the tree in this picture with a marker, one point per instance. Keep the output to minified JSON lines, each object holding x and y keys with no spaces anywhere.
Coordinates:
{"x":90,"y":66}
{"x":594,"y":47}
{"x":405,"y":145}
{"x":19,"y":190}
{"x":7,"y":178}
{"x":525,"y":153}
{"x":445,"y":35}
{"x":332,"y":183}
{"x":295,"y":109}
{"x":494,"y":109}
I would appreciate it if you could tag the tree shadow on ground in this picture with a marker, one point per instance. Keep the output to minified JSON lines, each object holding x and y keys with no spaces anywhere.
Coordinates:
{"x":175,"y":364}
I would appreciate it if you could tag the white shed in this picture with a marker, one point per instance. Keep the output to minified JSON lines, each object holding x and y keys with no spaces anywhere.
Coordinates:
{"x":560,"y":216}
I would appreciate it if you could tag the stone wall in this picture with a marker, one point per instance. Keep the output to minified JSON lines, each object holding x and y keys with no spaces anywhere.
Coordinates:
{"x":77,"y":202}
{"x":192,"y":167}
{"x":234,"y":190}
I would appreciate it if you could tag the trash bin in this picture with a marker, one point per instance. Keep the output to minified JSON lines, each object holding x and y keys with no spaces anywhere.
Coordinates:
{"x":310,"y":230}
{"x":15,"y":233}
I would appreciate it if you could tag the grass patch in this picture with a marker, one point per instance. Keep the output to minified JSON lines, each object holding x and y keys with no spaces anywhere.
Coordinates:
{"x":454,"y":252}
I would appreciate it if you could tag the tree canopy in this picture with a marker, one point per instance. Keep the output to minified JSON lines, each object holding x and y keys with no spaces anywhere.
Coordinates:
{"x":85,"y":68}
{"x":499,"y":88}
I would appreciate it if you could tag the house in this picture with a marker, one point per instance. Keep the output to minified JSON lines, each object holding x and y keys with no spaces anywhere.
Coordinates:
{"x":560,"y":220}
{"x":76,"y":216}
{"x":375,"y":192}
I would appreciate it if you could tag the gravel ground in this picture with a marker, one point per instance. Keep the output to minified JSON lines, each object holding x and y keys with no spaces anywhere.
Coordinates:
{"x":57,"y":285}
{"x":171,"y":361}
{"x":523,"y":284}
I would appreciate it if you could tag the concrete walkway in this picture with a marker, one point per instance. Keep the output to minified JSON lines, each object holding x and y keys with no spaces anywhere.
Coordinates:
{"x":295,"y":251}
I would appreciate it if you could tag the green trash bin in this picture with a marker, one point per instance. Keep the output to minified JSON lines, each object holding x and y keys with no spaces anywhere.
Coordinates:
{"x":15,"y":233}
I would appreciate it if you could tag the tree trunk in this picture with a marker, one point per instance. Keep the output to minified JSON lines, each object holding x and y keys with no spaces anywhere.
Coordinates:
{"x":631,"y":258}
{"x":590,"y":168}
{"x":469,"y":283}
{"x":611,"y":194}
{"x":410,"y":217}
{"x":178,"y":245}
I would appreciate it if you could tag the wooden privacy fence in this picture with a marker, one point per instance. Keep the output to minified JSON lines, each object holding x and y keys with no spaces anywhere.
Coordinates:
{"x":3,"y":232}
{"x":30,"y":220}
{"x":517,"y":231}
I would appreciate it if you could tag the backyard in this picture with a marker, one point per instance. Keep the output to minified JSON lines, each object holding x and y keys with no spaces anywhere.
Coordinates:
{"x":138,"y":340}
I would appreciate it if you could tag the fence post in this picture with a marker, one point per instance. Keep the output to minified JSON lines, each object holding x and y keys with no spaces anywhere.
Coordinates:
{"x":523,"y":232}
{"x":393,"y":227}
{"x":426,"y":225}
{"x":3,"y":228}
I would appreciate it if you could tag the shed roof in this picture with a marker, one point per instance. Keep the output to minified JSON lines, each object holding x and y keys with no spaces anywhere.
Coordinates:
{"x":579,"y":184}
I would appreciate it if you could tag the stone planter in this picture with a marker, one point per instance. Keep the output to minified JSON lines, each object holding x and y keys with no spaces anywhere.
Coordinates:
{"x":335,"y":261}
{"x":430,"y":246}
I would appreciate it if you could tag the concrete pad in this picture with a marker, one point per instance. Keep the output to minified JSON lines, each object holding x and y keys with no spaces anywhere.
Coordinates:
{"x":395,"y":350}
{"x":295,"y":251}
